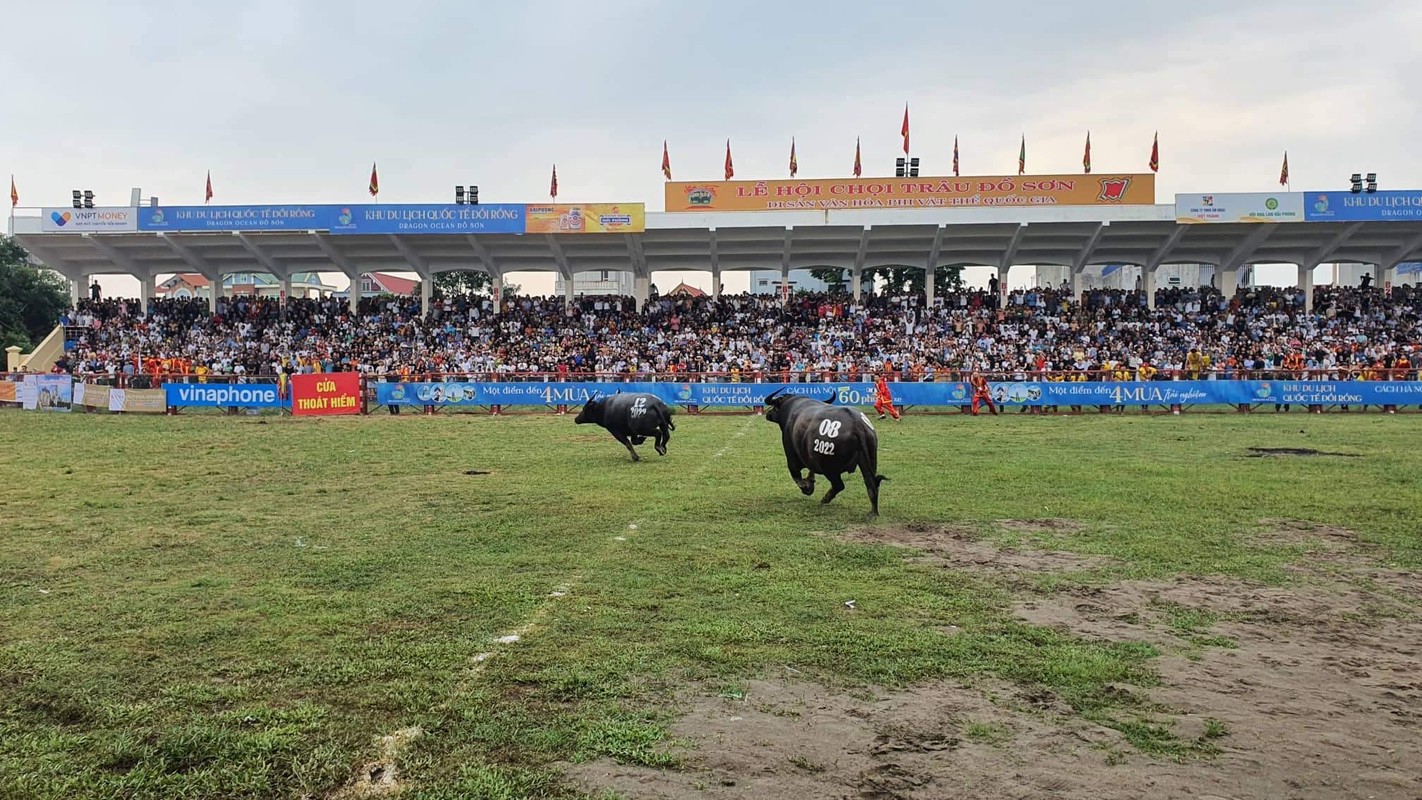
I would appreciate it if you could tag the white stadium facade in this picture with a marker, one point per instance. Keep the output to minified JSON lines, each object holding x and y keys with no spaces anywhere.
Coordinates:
{"x":1072,"y":238}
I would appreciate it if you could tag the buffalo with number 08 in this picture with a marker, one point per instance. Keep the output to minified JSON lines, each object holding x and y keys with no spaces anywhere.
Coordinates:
{"x":630,"y":418}
{"x":827,"y":440}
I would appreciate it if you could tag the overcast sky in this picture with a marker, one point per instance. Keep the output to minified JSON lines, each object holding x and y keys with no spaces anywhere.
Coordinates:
{"x":291,"y":101}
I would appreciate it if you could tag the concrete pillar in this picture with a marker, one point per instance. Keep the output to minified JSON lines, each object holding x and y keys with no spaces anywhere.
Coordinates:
{"x":353,"y":294}
{"x":286,"y":287}
{"x":928,"y":288}
{"x":715,"y":284}
{"x":1390,"y":276}
{"x":77,"y":289}
{"x":1148,"y":285}
{"x":214,"y":290}
{"x":856,"y":280}
{"x":1075,"y":285}
{"x":496,"y":285}
{"x":1378,"y":275}
{"x":1306,"y":285}
{"x":1229,"y":282}
{"x":569,"y":294}
{"x":784,"y":282}
{"x":641,"y":290}
{"x":145,"y":292}
{"x":426,"y":293}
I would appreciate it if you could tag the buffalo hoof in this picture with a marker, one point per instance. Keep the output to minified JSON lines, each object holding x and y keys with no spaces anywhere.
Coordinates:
{"x":661,"y":451}
{"x":807,"y":489}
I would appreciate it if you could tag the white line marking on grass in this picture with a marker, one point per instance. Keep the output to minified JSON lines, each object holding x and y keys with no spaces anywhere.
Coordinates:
{"x":732,"y":441}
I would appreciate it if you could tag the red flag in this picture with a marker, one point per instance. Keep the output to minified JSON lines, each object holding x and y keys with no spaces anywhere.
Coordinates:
{"x":553,"y":187}
{"x":209,"y":187}
{"x":903,"y":131}
{"x":1086,"y":157}
{"x":794,"y":165}
{"x":14,"y":193}
{"x":1155,"y":153}
{"x":1284,"y":173}
{"x":858,"y":169}
{"x":730,"y":170}
{"x":666,"y":160}
{"x":374,"y":181}
{"x":955,"y":156}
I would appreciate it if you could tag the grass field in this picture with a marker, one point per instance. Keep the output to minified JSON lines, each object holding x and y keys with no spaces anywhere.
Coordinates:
{"x":214,"y":607}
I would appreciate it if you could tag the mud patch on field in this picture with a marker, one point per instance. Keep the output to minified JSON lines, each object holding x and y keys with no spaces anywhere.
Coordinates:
{"x":1054,"y":527}
{"x":1319,"y":686}
{"x":996,"y":742}
{"x":1310,"y":699}
{"x":381,"y":778}
{"x":1310,"y":535}
{"x":949,"y":546}
{"x":802,"y":740}
{"x":1305,"y":452}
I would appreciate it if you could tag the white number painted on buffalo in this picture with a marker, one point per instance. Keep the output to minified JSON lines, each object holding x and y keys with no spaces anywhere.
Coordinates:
{"x":824,"y":448}
{"x":829,"y":427}
{"x":639,"y":407}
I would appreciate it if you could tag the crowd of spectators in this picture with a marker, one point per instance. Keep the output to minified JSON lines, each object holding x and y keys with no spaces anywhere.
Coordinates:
{"x":1194,"y":332}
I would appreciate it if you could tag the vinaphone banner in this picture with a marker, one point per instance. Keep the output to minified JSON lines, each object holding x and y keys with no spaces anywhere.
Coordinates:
{"x":851,"y":193}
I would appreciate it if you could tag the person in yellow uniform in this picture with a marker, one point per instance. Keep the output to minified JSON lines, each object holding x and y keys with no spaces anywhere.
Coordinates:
{"x":1145,"y":372}
{"x":1194,"y":364}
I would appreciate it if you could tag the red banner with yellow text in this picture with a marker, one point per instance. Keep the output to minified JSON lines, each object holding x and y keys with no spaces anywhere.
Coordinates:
{"x":325,"y":393}
{"x":967,"y":191}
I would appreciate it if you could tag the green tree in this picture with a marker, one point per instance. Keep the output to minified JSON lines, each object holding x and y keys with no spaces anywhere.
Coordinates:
{"x":31,"y":300}
{"x":909,"y":280}
{"x":461,"y":282}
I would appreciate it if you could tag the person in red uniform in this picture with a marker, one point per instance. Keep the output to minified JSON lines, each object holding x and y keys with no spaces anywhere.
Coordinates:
{"x":884,"y":399}
{"x":981,"y":393}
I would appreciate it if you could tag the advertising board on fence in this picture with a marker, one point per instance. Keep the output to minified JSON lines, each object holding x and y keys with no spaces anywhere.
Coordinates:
{"x":222,"y":395}
{"x":1392,"y":206}
{"x":325,"y":393}
{"x":142,"y":401}
{"x":1240,"y":207}
{"x":1029,"y":393}
{"x":92,"y":395}
{"x":8,"y":393}
{"x":52,"y":392}
{"x":849,"y":193}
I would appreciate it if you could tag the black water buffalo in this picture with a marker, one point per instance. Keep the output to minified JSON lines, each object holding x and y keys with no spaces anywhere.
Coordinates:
{"x":828,"y":440}
{"x":631,"y":418}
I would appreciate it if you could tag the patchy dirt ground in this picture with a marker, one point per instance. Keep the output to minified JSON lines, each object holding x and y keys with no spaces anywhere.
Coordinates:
{"x":1316,"y":688}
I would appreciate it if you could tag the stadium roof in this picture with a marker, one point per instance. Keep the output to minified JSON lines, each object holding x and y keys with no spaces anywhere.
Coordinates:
{"x":727,"y":241}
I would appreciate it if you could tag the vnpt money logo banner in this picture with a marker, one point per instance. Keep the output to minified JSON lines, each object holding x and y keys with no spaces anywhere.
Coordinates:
{"x":87,"y":220}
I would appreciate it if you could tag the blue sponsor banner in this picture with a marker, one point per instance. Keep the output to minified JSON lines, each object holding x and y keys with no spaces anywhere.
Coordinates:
{"x":337,"y":219}
{"x":439,"y":218}
{"x":1402,"y":205}
{"x":239,"y":218}
{"x":1154,"y":393}
{"x":223,"y":395}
